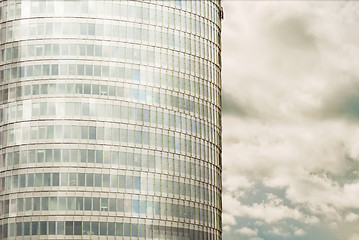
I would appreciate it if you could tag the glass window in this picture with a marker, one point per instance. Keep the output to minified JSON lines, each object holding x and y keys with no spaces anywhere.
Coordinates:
{"x":89,"y":179}
{"x":72,"y":69}
{"x":39,"y":50}
{"x":111,"y":229}
{"x":135,"y":206}
{"x":89,"y":70}
{"x":36,"y":204}
{"x":26,"y":228}
{"x":127,"y":229}
{"x":64,"y":179}
{"x":95,"y":89}
{"x":103,"y":228}
{"x":60,"y":228}
{"x":112,"y":204}
{"x":98,"y":180}
{"x":137,"y":183}
{"x":35,"y":228}
{"x":80,"y":69}
{"x":19,"y":229}
{"x":86,"y":228}
{"x":62,"y":203}
{"x":134,"y":229}
{"x":119,"y":229}
{"x":99,"y":156}
{"x":43,"y":228}
{"x":45,"y":203}
{"x":98,"y":50}
{"x":57,"y":152}
{"x":81,"y":179}
{"x":54,"y":70}
{"x":47,"y":179}
{"x":73,"y":179}
{"x":106,"y":180}
{"x":69,"y":228}
{"x":22,"y":180}
{"x":79,"y":203}
{"x":28,"y":204}
{"x":83,"y":28}
{"x":52,"y":228}
{"x":91,"y":156}
{"x":53,"y":203}
{"x":83,"y":155}
{"x":38,"y":180}
{"x":104,"y":204}
{"x":77,"y":228}
{"x":90,"y":50}
{"x":87,"y":88}
{"x":70,"y":203}
{"x":94,"y":228}
{"x":91,"y":29}
{"x":88,"y":203}
{"x":56,"y":49}
{"x":75,"y":26}
{"x":84,"y":132}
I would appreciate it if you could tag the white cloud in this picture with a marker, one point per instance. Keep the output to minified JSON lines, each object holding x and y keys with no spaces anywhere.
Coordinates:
{"x":236,"y":182}
{"x":283,"y":57}
{"x":279,"y":231}
{"x":270,"y":212}
{"x":294,"y":157}
{"x":228,"y":219}
{"x":291,"y":69}
{"x":351,"y":217}
{"x":354,"y":237}
{"x":226,"y":228}
{"x":248,"y":231}
{"x":299,"y":232}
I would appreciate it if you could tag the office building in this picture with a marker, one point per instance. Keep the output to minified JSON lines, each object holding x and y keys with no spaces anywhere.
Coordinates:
{"x":110,"y":119}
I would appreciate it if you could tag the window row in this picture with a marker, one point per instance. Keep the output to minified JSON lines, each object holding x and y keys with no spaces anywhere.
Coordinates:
{"x":142,"y":34}
{"x":185,"y":75}
{"x":133,"y":93}
{"x":206,"y":193}
{"x":133,"y":53}
{"x":156,"y":15}
{"x":24,"y":133}
{"x":134,"y":114}
{"x":202,"y":94}
{"x":95,"y":228}
{"x":149,"y":208}
{"x":153,"y":162}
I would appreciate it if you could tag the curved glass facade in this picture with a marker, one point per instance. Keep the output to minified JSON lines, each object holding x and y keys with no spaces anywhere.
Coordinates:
{"x":110,"y":119}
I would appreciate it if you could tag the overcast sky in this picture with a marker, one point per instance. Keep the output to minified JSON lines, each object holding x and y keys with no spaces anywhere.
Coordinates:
{"x":290,"y":120}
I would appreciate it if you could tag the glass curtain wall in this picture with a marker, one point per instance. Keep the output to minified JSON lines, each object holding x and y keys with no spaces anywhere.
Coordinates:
{"x":110,"y":119}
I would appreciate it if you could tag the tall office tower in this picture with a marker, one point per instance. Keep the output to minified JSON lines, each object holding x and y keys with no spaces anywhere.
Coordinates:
{"x":110,"y":119}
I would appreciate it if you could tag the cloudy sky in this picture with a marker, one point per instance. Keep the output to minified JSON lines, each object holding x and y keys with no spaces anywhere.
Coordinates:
{"x":291,"y":120}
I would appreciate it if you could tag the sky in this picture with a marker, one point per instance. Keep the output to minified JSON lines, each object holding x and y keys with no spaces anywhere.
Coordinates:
{"x":290,"y":102}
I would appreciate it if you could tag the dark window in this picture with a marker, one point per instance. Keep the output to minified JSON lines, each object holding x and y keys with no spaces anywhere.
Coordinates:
{"x":19,"y":229}
{"x":55,"y":179}
{"x":69,"y":228}
{"x":43,"y":228}
{"x":52,"y":228}
{"x":119,"y":229}
{"x":134,"y":228}
{"x":78,"y":228}
{"x":103,"y":228}
{"x":34,"y":228}
{"x":26,"y":228}
{"x":127,"y":229}
{"x":94,"y":228}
